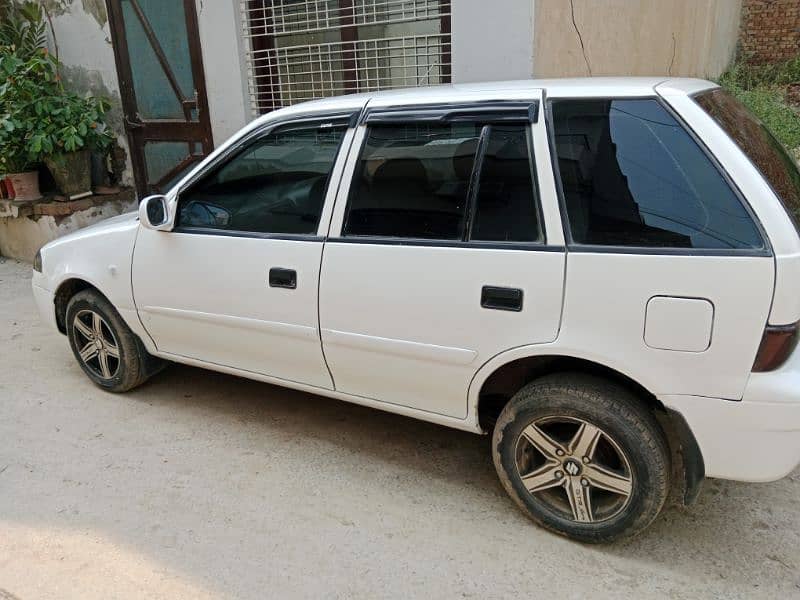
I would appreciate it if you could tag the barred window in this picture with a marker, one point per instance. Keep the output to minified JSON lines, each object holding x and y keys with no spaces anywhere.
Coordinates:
{"x":299,"y":50}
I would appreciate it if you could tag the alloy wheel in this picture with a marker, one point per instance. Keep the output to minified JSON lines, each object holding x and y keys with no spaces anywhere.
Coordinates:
{"x":574,"y":468}
{"x":98,"y":348}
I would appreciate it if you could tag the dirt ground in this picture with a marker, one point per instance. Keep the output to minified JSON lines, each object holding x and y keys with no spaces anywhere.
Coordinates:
{"x":204,"y":485}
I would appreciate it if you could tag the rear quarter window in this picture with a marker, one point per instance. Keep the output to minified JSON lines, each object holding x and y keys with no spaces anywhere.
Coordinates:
{"x":757,"y":142}
{"x":632,"y":176}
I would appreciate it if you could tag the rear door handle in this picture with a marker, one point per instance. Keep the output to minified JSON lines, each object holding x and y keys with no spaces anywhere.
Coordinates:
{"x":501,"y":298}
{"x":282,"y":278}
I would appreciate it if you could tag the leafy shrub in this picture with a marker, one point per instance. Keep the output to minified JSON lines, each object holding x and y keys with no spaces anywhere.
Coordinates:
{"x":22,"y":28}
{"x":762,"y":88}
{"x":38,"y":117}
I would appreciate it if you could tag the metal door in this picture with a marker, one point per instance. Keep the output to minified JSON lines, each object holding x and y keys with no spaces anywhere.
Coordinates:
{"x":160,"y":67}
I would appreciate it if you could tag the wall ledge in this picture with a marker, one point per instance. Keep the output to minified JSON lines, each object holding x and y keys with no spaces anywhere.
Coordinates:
{"x":27,"y":226}
{"x":55,"y":206}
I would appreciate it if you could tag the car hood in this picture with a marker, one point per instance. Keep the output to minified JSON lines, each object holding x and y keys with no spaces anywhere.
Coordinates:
{"x":119,"y":223}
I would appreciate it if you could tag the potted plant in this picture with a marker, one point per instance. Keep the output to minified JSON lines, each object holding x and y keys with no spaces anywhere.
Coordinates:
{"x":42,"y":122}
{"x":22,"y":34}
{"x":18,"y":121}
{"x":73,"y":128}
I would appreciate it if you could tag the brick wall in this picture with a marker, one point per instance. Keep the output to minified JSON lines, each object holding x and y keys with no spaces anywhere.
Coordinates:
{"x":770,"y":30}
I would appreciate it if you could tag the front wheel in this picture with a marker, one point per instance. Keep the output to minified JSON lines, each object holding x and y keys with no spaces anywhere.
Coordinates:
{"x":104,"y":346}
{"x":582,"y":457}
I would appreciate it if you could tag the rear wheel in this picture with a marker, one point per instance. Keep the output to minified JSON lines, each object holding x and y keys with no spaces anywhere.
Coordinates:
{"x":104,"y":346}
{"x":582,"y":457}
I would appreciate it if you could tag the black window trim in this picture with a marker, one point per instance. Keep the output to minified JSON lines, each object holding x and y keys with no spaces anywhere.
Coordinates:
{"x":480,"y":112}
{"x":487,"y":111}
{"x":245,"y":142}
{"x":573,"y":246}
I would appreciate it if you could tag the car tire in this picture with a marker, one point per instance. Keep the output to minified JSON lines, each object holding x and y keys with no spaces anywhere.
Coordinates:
{"x":110,"y":354}
{"x":583,"y":457}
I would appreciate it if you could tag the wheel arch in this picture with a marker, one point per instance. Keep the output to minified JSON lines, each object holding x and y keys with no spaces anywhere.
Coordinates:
{"x":500,"y":378}
{"x":65,"y":292}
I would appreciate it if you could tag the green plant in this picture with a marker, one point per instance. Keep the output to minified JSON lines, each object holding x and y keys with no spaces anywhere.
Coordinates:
{"x":22,"y":28}
{"x":762,"y":88}
{"x":38,"y":117}
{"x":746,"y":76}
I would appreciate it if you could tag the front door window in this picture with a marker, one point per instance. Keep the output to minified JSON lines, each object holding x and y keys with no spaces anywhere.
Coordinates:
{"x":274,"y":185}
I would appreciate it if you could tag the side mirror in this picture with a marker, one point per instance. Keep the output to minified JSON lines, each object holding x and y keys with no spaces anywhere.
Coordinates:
{"x":153,"y":213}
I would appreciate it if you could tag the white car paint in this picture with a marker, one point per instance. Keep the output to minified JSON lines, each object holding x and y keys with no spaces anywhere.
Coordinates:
{"x":387,"y":326}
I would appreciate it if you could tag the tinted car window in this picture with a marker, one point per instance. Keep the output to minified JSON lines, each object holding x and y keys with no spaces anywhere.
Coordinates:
{"x":633,"y":176}
{"x":505,"y":208}
{"x":412,"y":181}
{"x":275,"y":185}
{"x":756,"y":141}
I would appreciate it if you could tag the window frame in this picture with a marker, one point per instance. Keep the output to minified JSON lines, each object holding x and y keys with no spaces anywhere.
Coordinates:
{"x":573,"y":246}
{"x":482,"y":113}
{"x":348,"y":118}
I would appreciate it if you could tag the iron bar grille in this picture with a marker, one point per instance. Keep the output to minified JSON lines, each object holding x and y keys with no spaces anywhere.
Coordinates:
{"x":300,"y":50}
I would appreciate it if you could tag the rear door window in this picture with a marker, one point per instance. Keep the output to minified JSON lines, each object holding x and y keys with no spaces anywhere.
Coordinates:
{"x":633,"y":176}
{"x":504,"y":200}
{"x":756,"y":141}
{"x":445,"y":181}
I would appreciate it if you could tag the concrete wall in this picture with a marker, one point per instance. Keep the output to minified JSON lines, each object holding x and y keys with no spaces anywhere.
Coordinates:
{"x":502,"y":39}
{"x":26,"y":227}
{"x":83,"y":38}
{"x":635,"y":37}
{"x":223,"y":60}
{"x":492,"y":41}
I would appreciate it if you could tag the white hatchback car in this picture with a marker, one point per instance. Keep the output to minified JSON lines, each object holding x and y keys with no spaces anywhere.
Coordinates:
{"x":605,"y":273}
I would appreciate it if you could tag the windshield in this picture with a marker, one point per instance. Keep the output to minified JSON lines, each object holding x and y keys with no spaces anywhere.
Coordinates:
{"x":756,"y":141}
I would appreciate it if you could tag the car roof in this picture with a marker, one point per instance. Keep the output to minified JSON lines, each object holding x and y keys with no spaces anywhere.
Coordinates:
{"x":577,"y":87}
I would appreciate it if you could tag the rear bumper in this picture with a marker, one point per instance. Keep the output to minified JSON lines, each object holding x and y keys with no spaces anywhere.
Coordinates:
{"x":754,"y":439}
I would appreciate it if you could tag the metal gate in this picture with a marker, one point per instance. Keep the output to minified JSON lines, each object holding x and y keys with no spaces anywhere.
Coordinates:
{"x":304,"y":49}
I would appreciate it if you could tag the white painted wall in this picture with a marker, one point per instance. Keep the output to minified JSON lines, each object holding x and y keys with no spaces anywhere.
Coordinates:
{"x":223,"y":59}
{"x":492,"y":40}
{"x":83,"y":43}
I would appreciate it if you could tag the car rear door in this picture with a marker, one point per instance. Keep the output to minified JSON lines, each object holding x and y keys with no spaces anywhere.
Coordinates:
{"x":234,"y":283}
{"x":440,"y":254}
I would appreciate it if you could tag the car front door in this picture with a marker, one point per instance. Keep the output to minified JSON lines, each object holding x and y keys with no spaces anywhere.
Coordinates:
{"x":234,"y":283}
{"x":440,"y":255}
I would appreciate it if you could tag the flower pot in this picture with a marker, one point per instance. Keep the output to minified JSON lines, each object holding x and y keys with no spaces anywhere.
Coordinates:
{"x":25,"y":186}
{"x":101,"y":179}
{"x":72,"y":173}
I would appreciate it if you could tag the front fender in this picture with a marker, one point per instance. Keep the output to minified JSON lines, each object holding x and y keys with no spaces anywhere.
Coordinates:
{"x":101,"y":256}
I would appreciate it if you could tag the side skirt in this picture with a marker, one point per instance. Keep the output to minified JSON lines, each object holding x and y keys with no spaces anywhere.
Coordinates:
{"x":462,"y":424}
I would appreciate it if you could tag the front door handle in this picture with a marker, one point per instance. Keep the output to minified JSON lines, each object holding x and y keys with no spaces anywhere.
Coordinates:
{"x":282,"y":278}
{"x":501,"y":298}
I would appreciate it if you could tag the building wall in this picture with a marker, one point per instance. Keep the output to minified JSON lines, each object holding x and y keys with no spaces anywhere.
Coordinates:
{"x":505,"y":39}
{"x":492,"y":40}
{"x":770,"y":30}
{"x":635,"y":37}
{"x":83,"y":40}
{"x":223,"y":61}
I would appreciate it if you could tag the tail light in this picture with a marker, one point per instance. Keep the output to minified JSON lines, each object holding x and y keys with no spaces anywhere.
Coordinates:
{"x":776,"y":346}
